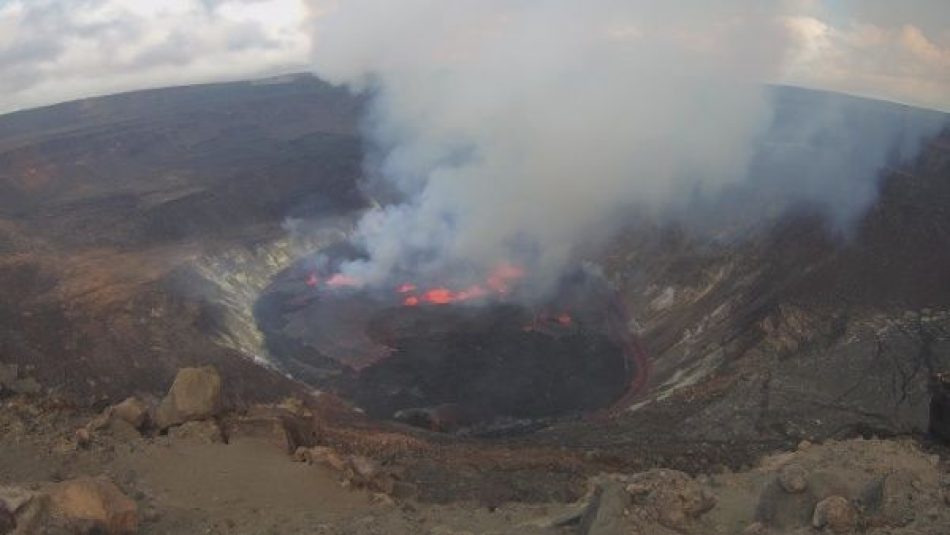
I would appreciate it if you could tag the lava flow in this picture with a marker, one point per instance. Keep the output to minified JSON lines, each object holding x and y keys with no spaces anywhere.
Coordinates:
{"x":499,"y":282}
{"x":343,"y":281}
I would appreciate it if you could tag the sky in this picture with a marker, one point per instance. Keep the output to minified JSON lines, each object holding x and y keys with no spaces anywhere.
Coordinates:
{"x":58,"y":50}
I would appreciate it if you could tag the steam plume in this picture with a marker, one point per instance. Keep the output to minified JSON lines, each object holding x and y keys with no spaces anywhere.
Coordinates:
{"x":517,"y":130}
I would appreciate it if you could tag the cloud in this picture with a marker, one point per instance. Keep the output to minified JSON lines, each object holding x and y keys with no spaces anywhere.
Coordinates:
{"x":891,"y":50}
{"x":54,"y":50}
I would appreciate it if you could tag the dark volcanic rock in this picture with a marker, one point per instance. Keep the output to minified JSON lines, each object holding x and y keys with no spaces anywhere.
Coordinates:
{"x":939,"y":426}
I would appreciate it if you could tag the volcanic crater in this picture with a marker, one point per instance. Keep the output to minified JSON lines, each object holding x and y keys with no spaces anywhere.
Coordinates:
{"x":481,"y":360}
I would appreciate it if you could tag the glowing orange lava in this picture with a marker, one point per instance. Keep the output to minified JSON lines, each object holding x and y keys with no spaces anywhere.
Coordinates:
{"x":438,"y":296}
{"x":340,"y":281}
{"x":499,"y":282}
{"x":472,"y":292}
{"x":501,"y":278}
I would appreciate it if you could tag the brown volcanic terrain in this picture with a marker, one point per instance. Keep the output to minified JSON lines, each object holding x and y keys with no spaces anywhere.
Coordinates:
{"x":137,"y":233}
{"x":113,"y":211}
{"x":103,"y":201}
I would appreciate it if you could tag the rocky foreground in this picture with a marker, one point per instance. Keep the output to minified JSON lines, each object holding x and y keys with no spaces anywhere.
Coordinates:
{"x":189,"y":464}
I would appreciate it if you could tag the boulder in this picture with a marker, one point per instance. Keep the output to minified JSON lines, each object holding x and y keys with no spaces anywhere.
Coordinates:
{"x":895,"y":500}
{"x":785,"y":511}
{"x":14,"y":498}
{"x":122,"y":430}
{"x":835,"y":513}
{"x":793,"y":478}
{"x":285,"y":426}
{"x":100,"y":422}
{"x":195,"y":395}
{"x":133,"y":411}
{"x":22,"y":512}
{"x":673,"y":498}
{"x":83,"y":437}
{"x":90,"y":504}
{"x":606,"y":513}
{"x":124,"y":421}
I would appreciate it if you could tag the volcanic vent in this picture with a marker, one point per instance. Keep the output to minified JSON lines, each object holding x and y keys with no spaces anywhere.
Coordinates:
{"x":473,"y":358}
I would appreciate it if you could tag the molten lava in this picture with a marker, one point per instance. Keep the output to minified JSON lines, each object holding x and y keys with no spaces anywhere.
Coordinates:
{"x":498,"y":282}
{"x":439,"y":296}
{"x":343,"y":281}
{"x":445,"y":296}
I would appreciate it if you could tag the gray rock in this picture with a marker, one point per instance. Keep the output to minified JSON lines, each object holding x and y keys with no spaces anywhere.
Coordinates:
{"x":605,"y":516}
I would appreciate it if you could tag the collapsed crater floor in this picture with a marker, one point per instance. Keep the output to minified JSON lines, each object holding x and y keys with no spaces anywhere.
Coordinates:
{"x":486,"y":366}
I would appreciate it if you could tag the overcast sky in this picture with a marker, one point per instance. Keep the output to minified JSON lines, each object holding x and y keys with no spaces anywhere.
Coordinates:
{"x":57,"y":50}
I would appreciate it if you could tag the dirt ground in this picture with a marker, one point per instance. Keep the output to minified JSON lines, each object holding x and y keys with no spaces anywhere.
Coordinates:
{"x":187,"y":485}
{"x":245,"y":487}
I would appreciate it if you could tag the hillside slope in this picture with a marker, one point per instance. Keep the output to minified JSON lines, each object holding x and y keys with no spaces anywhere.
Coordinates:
{"x":108,"y":204}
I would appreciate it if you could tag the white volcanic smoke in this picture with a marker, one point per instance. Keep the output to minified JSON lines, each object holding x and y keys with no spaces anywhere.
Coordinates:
{"x":516,"y":130}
